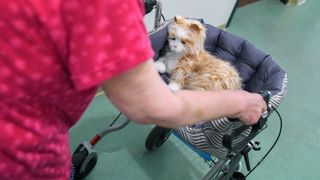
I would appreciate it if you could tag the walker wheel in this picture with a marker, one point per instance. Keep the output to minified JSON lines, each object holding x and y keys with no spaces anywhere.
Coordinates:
{"x":157,"y":137}
{"x":84,"y":159}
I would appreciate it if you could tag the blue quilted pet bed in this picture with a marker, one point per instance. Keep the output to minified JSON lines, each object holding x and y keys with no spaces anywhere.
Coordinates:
{"x":258,"y":70}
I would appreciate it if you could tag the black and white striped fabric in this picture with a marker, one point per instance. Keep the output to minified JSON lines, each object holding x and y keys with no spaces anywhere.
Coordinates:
{"x":208,"y":136}
{"x":258,"y":71}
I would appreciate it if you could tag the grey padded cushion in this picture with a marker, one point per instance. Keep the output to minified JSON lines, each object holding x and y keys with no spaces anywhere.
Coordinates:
{"x":257,"y":69}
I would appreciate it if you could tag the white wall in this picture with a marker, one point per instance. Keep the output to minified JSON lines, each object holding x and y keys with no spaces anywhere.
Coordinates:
{"x":215,"y":12}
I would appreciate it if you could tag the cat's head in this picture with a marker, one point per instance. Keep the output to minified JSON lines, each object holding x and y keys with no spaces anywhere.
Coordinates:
{"x":186,"y":35}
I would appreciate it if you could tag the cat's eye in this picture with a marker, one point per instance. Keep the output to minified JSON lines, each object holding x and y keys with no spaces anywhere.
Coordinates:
{"x":173,"y":38}
{"x":183,"y":42}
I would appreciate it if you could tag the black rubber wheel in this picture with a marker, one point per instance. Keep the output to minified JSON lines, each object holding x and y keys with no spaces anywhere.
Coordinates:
{"x":78,"y":158}
{"x":77,"y":161}
{"x":89,"y":166}
{"x":157,"y":137}
{"x":238,"y":176}
{"x":82,"y":159}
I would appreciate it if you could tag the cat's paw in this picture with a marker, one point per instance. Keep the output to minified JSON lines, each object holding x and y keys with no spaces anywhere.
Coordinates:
{"x":161,"y":67}
{"x":174,"y":86}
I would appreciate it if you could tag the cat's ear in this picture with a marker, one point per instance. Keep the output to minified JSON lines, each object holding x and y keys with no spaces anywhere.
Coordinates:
{"x":178,"y":19}
{"x":196,"y":27}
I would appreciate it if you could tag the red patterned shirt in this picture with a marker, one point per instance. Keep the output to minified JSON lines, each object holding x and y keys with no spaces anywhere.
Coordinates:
{"x":53,"y":55}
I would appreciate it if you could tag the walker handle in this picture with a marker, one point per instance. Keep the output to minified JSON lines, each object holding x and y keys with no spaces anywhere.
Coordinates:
{"x":149,"y":5}
{"x":228,"y":139}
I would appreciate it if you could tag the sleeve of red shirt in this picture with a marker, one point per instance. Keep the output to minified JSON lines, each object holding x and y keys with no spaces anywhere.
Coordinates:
{"x":105,"y":38}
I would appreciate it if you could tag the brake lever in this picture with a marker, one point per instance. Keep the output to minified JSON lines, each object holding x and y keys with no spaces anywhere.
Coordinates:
{"x":228,"y":139}
{"x":266,"y":96}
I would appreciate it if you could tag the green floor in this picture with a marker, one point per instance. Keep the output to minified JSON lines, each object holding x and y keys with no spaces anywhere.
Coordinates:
{"x":291,"y":35}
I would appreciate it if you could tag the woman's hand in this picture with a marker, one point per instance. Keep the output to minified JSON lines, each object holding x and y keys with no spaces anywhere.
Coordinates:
{"x":252,"y":106}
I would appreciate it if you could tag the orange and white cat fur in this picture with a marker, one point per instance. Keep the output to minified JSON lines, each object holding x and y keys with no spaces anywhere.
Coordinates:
{"x":189,"y":65}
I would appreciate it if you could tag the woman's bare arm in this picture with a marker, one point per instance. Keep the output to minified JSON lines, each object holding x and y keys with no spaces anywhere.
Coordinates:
{"x":144,"y":98}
